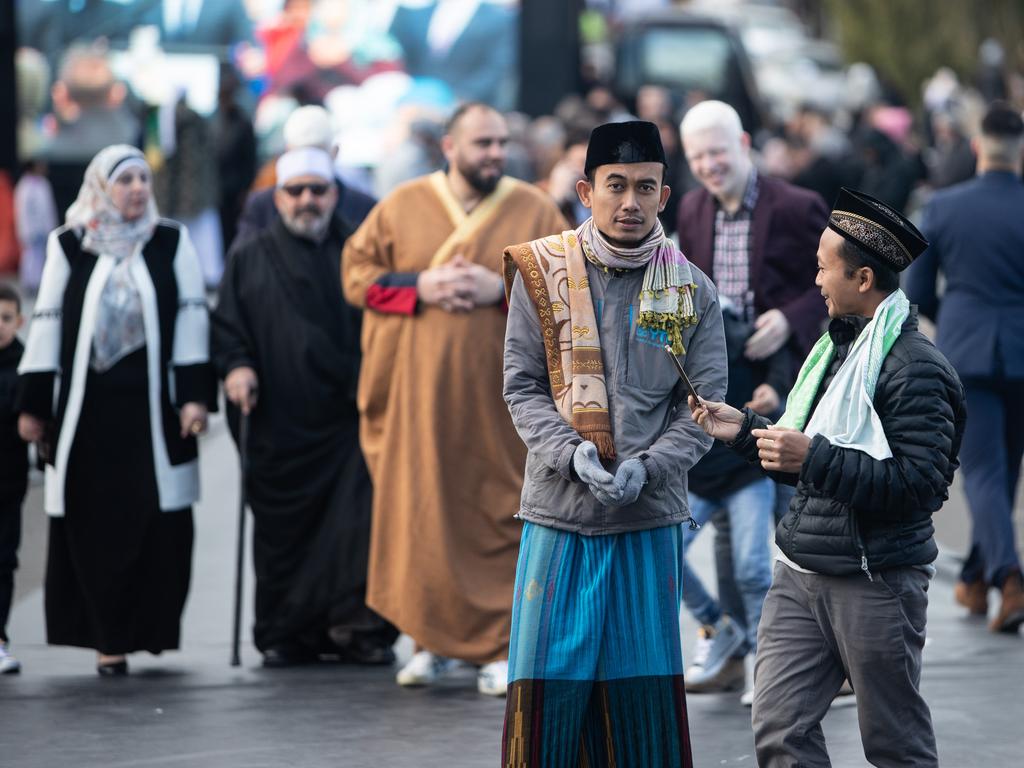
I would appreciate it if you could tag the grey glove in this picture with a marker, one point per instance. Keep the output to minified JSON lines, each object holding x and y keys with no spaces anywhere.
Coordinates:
{"x":601,"y":483}
{"x":630,"y":480}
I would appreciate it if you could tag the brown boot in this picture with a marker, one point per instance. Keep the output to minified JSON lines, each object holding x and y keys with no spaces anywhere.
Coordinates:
{"x":1011,"y":612}
{"x":972,"y":595}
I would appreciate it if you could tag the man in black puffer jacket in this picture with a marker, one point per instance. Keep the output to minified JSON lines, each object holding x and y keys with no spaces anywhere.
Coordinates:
{"x":872,"y":455}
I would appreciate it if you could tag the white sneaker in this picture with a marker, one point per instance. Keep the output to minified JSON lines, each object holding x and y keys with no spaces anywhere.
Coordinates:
{"x":492,"y":679}
{"x":8,"y":664}
{"x":747,"y":699}
{"x":424,"y":668}
{"x":705,"y":636}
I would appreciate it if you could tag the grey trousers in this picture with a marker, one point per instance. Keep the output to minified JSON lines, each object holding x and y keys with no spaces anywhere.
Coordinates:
{"x":816,"y":630}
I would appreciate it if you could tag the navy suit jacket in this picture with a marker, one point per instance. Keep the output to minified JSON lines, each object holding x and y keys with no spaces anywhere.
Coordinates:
{"x":787,"y":225}
{"x":976,"y":235}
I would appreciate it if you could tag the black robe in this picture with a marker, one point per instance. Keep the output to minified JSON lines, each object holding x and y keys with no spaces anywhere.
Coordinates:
{"x":281,"y":312}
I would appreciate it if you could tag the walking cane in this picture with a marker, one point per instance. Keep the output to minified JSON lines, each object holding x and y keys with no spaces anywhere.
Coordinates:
{"x":243,"y":460}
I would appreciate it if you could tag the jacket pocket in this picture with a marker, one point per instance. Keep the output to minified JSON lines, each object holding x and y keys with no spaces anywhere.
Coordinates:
{"x":648,"y":366}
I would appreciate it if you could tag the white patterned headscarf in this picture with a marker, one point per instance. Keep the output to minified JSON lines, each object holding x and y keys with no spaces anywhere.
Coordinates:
{"x":104,"y":229}
{"x":119,"y":325}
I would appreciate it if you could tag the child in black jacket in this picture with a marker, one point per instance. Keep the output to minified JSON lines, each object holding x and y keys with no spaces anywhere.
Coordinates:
{"x":13,"y":463}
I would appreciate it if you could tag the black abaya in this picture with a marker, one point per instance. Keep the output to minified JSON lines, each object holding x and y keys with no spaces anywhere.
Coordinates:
{"x":118,"y":568}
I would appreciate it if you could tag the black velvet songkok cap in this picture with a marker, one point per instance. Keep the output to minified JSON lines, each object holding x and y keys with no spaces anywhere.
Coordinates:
{"x":636,"y":141}
{"x":877,"y":228}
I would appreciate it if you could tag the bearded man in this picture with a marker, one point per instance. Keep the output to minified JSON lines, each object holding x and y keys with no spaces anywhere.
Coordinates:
{"x":446,"y":463}
{"x":287,"y":346}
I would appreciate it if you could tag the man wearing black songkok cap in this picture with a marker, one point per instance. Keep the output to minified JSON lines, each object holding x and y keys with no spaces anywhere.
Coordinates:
{"x":595,"y":666}
{"x":870,"y":439}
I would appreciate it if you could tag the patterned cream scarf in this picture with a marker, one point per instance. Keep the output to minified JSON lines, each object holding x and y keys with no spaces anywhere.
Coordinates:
{"x":554,"y":270}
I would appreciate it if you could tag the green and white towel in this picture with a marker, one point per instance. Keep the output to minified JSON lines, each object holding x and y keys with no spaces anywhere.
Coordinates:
{"x":846,"y":413}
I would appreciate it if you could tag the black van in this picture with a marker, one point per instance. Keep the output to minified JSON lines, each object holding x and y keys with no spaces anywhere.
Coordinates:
{"x":690,"y":55}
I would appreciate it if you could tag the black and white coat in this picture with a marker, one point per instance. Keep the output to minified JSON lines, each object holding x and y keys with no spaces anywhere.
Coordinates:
{"x":54,"y":368}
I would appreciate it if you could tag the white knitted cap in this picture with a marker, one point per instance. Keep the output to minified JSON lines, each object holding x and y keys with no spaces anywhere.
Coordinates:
{"x":306,"y":161}
{"x":309,"y":126}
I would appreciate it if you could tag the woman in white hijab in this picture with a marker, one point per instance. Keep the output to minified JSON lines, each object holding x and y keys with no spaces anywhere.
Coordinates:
{"x":115,"y":387}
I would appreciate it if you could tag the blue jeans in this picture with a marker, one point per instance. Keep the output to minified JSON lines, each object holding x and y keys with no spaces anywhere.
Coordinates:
{"x":783,"y":495}
{"x":751,"y":514}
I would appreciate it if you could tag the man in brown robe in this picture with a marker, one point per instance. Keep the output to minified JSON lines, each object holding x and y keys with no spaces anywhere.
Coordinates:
{"x":445,"y":460}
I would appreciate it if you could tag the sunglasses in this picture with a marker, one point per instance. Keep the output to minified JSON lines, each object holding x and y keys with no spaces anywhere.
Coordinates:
{"x":296,"y":190}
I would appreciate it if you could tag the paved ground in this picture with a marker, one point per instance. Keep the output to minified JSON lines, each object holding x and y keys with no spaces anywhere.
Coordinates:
{"x":191,"y":709}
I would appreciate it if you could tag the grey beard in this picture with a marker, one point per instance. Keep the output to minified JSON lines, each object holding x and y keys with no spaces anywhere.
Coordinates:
{"x":314,"y":230}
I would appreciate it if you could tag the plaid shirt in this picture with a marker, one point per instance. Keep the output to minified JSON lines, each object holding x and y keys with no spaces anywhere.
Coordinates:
{"x":731,"y":264}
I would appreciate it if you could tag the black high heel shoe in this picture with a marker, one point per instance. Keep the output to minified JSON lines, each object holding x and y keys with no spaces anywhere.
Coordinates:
{"x":113,"y":668}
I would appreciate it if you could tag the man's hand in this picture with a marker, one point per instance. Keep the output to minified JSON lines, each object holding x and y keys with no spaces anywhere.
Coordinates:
{"x":459,"y":286}
{"x":193,"y":419}
{"x":781,"y":449}
{"x":630,"y":479}
{"x":488,"y":287}
{"x":719,"y":420}
{"x":764,"y":401}
{"x":601,"y":483}
{"x":772,"y":332}
{"x":30,"y":429}
{"x":242,"y":388}
{"x":448,"y":286}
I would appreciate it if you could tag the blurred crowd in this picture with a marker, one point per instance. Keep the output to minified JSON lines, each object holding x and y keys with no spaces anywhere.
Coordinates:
{"x":388,"y":130}
{"x":293,"y":169}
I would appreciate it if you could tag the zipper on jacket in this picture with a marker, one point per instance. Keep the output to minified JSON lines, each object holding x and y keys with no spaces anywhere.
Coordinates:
{"x":694,"y":525}
{"x":864,"y":564}
{"x":860,"y":545}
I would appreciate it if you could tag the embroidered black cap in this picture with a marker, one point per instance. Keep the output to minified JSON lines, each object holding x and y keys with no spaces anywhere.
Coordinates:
{"x":877,"y":228}
{"x":635,"y":141}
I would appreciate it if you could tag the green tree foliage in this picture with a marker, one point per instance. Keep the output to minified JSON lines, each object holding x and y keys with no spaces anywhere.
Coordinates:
{"x":907,"y":40}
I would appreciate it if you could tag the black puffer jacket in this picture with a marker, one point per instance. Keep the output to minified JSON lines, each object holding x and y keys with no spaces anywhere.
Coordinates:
{"x":853,"y":513}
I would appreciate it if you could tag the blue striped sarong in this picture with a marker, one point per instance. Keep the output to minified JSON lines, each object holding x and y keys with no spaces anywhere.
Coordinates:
{"x":595,"y":664}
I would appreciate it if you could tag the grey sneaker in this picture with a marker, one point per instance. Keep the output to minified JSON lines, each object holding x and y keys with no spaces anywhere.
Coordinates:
{"x":8,"y":664}
{"x":723,"y":669}
{"x":701,"y":649}
{"x":730,"y":677}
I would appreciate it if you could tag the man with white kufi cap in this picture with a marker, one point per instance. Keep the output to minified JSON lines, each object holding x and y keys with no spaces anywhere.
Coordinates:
{"x":306,"y":127}
{"x":287,"y":345}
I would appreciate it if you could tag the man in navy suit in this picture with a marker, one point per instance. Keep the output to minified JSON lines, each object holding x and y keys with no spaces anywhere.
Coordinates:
{"x":756,"y":237}
{"x":976,"y":235}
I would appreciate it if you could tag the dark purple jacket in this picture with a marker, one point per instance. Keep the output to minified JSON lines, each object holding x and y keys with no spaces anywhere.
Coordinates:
{"x":788,"y":222}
